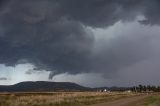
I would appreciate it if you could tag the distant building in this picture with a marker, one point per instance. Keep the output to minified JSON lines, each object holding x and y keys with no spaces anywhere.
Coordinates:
{"x":128,"y":91}
{"x":105,"y":90}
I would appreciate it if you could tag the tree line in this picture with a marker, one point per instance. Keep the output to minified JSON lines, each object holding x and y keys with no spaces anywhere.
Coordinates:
{"x":144,"y":88}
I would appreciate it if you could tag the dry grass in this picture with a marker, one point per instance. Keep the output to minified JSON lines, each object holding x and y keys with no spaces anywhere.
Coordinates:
{"x":59,"y":99}
{"x":153,"y":100}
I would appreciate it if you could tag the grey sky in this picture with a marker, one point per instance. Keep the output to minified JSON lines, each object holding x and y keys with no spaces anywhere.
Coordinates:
{"x":115,"y":40}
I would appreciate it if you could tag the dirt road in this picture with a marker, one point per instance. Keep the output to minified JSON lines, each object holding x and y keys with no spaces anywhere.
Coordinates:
{"x":132,"y":101}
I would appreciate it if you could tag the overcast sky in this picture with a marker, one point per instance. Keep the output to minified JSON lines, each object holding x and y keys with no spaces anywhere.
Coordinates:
{"x":90,"y":42}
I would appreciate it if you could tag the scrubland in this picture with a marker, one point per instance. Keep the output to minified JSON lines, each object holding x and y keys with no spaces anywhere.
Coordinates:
{"x":153,"y":100}
{"x":59,"y":98}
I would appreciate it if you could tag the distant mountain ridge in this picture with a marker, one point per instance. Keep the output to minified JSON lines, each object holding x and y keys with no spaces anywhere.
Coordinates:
{"x":38,"y":86}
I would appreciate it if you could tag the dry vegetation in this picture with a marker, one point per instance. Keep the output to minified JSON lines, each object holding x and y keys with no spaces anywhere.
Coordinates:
{"x":58,"y":99}
{"x":153,"y":100}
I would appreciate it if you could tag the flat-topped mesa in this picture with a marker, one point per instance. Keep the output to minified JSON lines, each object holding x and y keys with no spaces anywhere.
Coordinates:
{"x":38,"y":86}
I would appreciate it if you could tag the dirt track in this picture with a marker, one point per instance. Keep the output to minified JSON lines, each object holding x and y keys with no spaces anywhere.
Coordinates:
{"x":124,"y":102}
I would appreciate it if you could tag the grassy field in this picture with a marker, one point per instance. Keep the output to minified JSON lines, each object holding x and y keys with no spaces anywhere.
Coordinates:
{"x":153,"y":100}
{"x":59,"y":99}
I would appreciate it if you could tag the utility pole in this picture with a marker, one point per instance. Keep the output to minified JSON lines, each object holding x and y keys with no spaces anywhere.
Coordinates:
{"x":135,"y":88}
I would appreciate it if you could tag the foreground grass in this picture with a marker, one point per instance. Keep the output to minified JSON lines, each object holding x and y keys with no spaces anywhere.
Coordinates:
{"x":59,"y":99}
{"x":153,"y":100}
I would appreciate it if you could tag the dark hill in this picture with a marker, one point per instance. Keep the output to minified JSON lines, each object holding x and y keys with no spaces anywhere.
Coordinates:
{"x":42,"y":86}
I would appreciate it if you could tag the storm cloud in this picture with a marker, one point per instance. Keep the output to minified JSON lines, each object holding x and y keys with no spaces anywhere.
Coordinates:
{"x":58,"y":36}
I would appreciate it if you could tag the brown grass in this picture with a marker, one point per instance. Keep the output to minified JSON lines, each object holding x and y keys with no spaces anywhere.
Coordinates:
{"x":153,"y":100}
{"x":58,"y":99}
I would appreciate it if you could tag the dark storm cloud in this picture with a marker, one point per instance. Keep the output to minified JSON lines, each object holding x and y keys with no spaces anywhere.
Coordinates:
{"x":42,"y":34}
{"x":151,"y":9}
{"x":52,"y":34}
{"x":101,"y":13}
